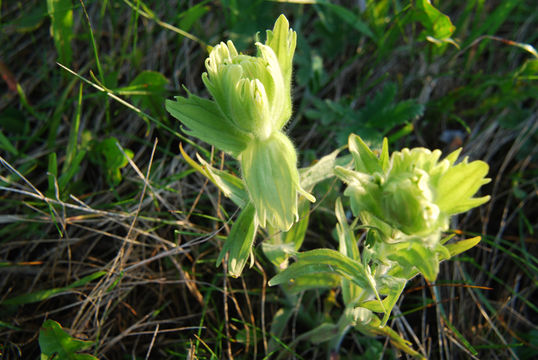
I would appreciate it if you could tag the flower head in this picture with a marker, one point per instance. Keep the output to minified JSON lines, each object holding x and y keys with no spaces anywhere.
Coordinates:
{"x":413,"y":192}
{"x":252,"y":103}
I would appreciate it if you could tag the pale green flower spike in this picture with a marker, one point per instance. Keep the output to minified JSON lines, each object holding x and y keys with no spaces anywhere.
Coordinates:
{"x":252,"y":103}
{"x":414,"y":192}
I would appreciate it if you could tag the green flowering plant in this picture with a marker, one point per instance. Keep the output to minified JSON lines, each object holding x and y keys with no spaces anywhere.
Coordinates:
{"x":404,"y":203}
{"x":251,"y":104}
{"x":408,"y":199}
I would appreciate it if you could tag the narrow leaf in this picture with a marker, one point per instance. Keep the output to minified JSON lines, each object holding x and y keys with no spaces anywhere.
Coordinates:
{"x":239,"y":243}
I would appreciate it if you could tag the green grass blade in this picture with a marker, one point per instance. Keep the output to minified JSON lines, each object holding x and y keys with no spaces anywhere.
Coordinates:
{"x":46,"y":294}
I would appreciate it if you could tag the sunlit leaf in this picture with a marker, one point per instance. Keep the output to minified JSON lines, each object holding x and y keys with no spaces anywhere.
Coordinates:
{"x":55,"y":343}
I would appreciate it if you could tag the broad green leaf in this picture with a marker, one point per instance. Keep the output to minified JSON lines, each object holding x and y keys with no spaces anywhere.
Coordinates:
{"x":106,"y":154}
{"x":282,"y":40}
{"x":437,"y":25}
{"x":55,"y":343}
{"x":230,"y":185}
{"x":240,"y":240}
{"x":270,"y":173}
{"x":61,"y":18}
{"x":207,"y":123}
{"x":148,"y":91}
{"x":46,"y":294}
{"x":30,"y":19}
{"x":278,"y":254}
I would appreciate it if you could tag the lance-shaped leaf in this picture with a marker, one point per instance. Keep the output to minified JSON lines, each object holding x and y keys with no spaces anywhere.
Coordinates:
{"x":206,"y":122}
{"x":365,"y":160}
{"x":462,"y":245}
{"x":230,"y":185}
{"x":327,"y":260}
{"x":239,"y":242}
{"x":347,"y":246}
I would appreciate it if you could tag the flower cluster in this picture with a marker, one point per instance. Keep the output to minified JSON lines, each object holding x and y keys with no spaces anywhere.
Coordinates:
{"x":412,"y":193}
{"x":252,"y":103}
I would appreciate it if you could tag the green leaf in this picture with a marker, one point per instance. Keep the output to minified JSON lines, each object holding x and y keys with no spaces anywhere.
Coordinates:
{"x":279,"y":321}
{"x":457,"y":186}
{"x":416,"y":254}
{"x":6,"y":145}
{"x":280,"y":245}
{"x":313,"y":281}
{"x":106,"y":154}
{"x":321,"y":170}
{"x":437,"y":25}
{"x":296,"y":234}
{"x":374,"y":328}
{"x":365,"y":160}
{"x":239,"y":242}
{"x":192,"y":16}
{"x":206,"y":122}
{"x":151,"y":86}
{"x":46,"y":294}
{"x":230,"y":185}
{"x":270,"y":173}
{"x":52,"y":173}
{"x":61,"y":18}
{"x":31,"y":19}
{"x":349,"y":17}
{"x":463,"y":245}
{"x":329,"y":261}
{"x":278,"y":254}
{"x":347,"y":241}
{"x":55,"y":343}
{"x":322,"y":333}
{"x":390,"y":286}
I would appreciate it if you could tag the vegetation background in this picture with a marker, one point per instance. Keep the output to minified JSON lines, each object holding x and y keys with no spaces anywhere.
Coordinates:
{"x":109,"y":232}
